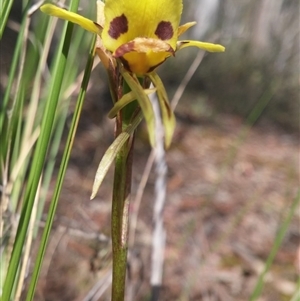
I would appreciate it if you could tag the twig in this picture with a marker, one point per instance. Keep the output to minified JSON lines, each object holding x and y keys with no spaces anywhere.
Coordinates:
{"x":186,"y":79}
{"x":159,"y":233}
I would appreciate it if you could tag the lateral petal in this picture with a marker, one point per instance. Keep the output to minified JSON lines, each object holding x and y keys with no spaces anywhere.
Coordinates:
{"x":203,"y":45}
{"x":85,"y":23}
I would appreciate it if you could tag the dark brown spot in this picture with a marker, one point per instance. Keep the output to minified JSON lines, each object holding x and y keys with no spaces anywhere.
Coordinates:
{"x":124,"y":48}
{"x":164,"y":30}
{"x":118,"y":26}
{"x":98,"y":25}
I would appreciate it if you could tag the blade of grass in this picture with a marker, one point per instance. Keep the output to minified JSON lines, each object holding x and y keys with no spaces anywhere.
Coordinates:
{"x":78,"y":44}
{"x":296,"y":295}
{"x":11,"y":78}
{"x":61,"y":175}
{"x":31,"y":126}
{"x":277,"y":243}
{"x":39,"y":158}
{"x":4,"y":13}
{"x":27,"y":248}
{"x":14,"y":137}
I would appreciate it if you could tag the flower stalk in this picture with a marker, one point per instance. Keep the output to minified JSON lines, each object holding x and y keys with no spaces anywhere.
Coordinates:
{"x":120,"y":218}
{"x":121,"y":199}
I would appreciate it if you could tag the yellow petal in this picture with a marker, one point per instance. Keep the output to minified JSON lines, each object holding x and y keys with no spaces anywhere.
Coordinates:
{"x":87,"y":24}
{"x":130,"y":19}
{"x":183,"y":28}
{"x":143,"y":63}
{"x":143,"y":55}
{"x":203,"y":45}
{"x":167,"y":115}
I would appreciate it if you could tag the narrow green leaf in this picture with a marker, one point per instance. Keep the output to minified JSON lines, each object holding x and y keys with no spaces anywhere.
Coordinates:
{"x":38,"y":162}
{"x":61,"y":175}
{"x":4,"y":105}
{"x":111,"y":153}
{"x":125,"y":100}
{"x":167,"y":115}
{"x":277,"y":243}
{"x":4,"y":13}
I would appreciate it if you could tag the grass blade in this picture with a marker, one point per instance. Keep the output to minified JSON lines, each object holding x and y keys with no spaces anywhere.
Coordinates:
{"x":60,"y":177}
{"x":38,"y":159}
{"x":277,"y":243}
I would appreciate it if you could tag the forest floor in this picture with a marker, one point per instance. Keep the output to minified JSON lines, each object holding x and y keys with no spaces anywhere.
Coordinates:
{"x":229,"y":189}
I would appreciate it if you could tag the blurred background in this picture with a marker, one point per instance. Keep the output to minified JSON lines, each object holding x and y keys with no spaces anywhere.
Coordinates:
{"x":233,"y":167}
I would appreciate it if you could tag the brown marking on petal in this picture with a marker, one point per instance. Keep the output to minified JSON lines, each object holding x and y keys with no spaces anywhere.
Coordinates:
{"x":180,"y":43}
{"x":154,"y":67}
{"x":164,"y":30}
{"x":118,"y":26}
{"x":98,"y":25}
{"x":144,"y":45}
{"x":125,"y":48}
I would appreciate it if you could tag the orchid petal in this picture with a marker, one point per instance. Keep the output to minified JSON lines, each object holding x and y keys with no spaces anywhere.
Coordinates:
{"x":167,"y":115}
{"x":85,"y":23}
{"x":203,"y":45}
{"x":183,"y":28}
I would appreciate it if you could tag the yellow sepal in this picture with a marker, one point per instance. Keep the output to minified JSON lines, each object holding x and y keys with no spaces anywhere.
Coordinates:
{"x":167,"y":115}
{"x":127,"y":20}
{"x":183,"y":28}
{"x":85,"y":23}
{"x":203,"y":45}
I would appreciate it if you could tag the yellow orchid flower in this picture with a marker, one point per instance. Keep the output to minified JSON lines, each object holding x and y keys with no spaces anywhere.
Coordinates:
{"x":139,"y":35}
{"x":142,"y":34}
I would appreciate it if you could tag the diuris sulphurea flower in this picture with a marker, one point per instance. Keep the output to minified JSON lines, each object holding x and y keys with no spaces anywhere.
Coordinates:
{"x":142,"y":34}
{"x":134,"y":37}
{"x":138,"y":36}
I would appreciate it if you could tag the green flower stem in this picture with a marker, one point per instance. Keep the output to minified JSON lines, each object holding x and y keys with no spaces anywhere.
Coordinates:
{"x":119,"y":218}
{"x":121,"y":200}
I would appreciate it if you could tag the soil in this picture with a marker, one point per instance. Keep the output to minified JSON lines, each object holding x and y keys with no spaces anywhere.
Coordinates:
{"x":229,"y":189}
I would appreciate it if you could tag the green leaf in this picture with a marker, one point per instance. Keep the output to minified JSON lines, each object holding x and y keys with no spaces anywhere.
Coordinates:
{"x":38,"y":159}
{"x":125,"y":100}
{"x":112,"y":152}
{"x":61,"y":174}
